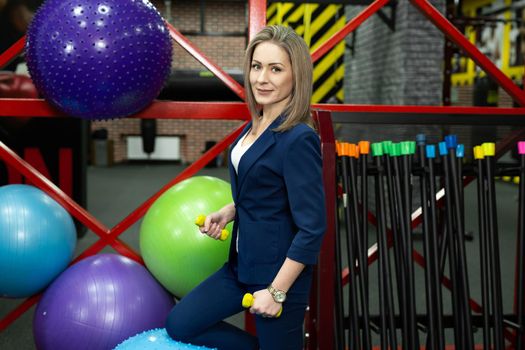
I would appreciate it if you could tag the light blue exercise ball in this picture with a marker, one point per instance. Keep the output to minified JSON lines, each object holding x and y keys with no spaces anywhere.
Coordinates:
{"x":37,"y":240}
{"x":156,"y":339}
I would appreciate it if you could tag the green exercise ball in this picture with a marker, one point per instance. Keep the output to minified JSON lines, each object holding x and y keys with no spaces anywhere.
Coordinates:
{"x":173,"y":248}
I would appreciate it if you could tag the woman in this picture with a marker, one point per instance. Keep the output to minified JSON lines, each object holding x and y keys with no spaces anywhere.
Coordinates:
{"x":278,"y":209}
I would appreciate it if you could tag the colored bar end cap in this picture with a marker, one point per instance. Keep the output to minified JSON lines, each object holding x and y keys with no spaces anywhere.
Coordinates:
{"x":377,"y":149}
{"x":521,"y":147}
{"x":443,"y":151}
{"x":489,"y":149}
{"x":451,"y":141}
{"x":405,"y":148}
{"x":345,"y":149}
{"x":364,"y":147}
{"x":421,"y":139}
{"x":478,"y":152}
{"x":338,"y":148}
{"x":352,"y":150}
{"x":460,"y":150}
{"x":431,"y":151}
{"x":387,"y":146}
{"x":395,"y":150}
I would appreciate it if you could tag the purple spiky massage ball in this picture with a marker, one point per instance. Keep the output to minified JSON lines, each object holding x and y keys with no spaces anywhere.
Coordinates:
{"x":98,"y":59}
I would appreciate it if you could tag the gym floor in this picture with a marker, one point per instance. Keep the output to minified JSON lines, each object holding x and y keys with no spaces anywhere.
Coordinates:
{"x":114,"y":192}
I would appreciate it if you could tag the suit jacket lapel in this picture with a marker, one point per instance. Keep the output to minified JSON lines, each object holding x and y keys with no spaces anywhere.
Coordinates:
{"x":233,"y":174}
{"x":265,"y":141}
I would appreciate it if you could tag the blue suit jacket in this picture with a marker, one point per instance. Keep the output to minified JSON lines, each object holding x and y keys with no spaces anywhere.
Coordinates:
{"x":279,"y":200}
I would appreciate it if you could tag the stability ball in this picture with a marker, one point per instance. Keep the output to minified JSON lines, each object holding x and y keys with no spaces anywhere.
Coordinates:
{"x":173,"y":248}
{"x":37,"y":240}
{"x":156,"y":339}
{"x":98,"y":59}
{"x":98,"y":303}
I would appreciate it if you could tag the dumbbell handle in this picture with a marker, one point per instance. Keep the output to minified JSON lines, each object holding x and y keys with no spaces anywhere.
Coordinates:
{"x":200,"y":222}
{"x":247,"y":301}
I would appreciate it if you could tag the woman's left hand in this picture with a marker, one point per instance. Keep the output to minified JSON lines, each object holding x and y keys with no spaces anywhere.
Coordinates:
{"x":264,"y":305}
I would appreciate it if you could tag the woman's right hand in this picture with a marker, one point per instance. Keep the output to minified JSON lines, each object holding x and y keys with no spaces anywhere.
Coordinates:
{"x":215,"y":222}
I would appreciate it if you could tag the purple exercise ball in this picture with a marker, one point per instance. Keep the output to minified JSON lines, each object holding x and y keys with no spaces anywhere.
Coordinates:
{"x":98,"y":303}
{"x":98,"y":59}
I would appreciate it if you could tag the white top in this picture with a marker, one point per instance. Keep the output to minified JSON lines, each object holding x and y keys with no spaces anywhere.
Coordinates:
{"x":238,"y":151}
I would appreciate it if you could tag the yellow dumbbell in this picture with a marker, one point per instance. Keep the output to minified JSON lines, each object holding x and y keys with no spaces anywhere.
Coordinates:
{"x":200,"y":222}
{"x":247,"y":301}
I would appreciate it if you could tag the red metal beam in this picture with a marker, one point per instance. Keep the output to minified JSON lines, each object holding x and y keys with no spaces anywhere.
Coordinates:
{"x":420,"y":109}
{"x":19,"y":311}
{"x":348,"y":28}
{"x":463,"y":43}
{"x":10,"y":107}
{"x":13,"y":52}
{"x":326,"y":270}
{"x":205,"y":61}
{"x":239,"y":111}
{"x":256,"y":17}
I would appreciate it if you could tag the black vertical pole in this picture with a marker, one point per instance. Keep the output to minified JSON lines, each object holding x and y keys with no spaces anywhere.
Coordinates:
{"x":395,"y":152}
{"x":359,"y":245}
{"x":408,"y":148}
{"x":384,"y":274}
{"x":494,"y":259}
{"x":478,"y":156}
{"x":350,"y":245}
{"x":364,"y":150}
{"x":399,"y":263}
{"x":448,"y":241}
{"x":521,"y":249}
{"x":434,"y":247}
{"x":339,"y":303}
{"x":458,"y":236}
{"x":429,"y":268}
{"x":383,"y":340}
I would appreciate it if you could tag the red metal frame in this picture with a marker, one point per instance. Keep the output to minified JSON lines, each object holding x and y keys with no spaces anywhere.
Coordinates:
{"x":35,"y":108}
{"x":321,"y":312}
{"x":12,"y":52}
{"x":257,"y":17}
{"x":323,"y":297}
{"x":106,"y":236}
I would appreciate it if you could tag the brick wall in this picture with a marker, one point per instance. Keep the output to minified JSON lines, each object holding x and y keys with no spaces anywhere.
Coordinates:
{"x":227,"y":52}
{"x":463,"y":96}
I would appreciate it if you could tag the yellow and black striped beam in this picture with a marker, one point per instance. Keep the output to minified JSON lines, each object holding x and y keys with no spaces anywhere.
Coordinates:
{"x":316,"y":23}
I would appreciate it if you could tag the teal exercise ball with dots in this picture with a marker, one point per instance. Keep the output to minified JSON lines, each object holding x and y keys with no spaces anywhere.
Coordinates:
{"x":156,"y":339}
{"x":37,"y":240}
{"x":173,"y":248}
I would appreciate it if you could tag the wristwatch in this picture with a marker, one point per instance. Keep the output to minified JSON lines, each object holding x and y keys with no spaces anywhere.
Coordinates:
{"x":278,"y":295}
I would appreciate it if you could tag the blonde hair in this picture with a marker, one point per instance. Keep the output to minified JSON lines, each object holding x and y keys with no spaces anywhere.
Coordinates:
{"x":298,"y":109}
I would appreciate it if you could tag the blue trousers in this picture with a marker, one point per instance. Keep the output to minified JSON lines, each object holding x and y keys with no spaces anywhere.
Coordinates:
{"x":198,"y":317}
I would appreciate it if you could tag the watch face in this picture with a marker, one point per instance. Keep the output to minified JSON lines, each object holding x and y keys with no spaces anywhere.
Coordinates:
{"x":279,"y":296}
